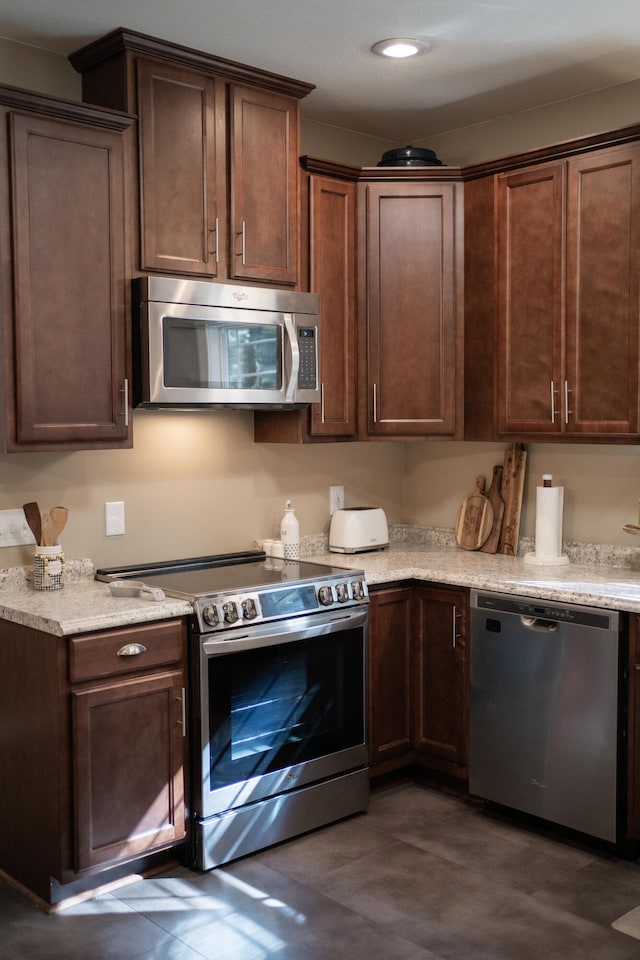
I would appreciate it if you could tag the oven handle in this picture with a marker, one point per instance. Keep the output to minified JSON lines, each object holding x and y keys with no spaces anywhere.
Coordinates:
{"x":266,"y":635}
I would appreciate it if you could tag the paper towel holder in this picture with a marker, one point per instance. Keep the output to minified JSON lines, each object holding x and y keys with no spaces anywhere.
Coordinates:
{"x":543,"y":495}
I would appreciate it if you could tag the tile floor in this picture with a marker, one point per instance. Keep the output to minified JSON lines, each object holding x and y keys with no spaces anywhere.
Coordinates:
{"x":420,"y":876}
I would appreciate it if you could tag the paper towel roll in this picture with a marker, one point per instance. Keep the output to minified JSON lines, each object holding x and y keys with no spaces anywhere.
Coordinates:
{"x":549,"y":506}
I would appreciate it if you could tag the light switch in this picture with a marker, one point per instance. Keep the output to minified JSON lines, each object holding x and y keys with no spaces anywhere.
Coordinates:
{"x":114,"y":518}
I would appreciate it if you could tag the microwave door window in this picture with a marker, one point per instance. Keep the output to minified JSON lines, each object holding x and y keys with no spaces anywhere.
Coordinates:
{"x":210,"y":354}
{"x":185,"y":353}
{"x":253,"y":357}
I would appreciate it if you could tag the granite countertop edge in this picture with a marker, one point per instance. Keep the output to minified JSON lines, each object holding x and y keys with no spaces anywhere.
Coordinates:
{"x":85,"y":605}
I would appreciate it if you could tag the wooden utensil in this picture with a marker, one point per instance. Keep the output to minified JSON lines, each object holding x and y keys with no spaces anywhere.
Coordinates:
{"x":48,"y":536}
{"x":494,"y":496}
{"x":631,"y":528}
{"x":515,"y":460}
{"x":32,"y":516}
{"x":475,"y":519}
{"x":59,"y":519}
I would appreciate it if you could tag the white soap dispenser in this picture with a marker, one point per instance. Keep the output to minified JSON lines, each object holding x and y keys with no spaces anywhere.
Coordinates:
{"x":290,"y":533}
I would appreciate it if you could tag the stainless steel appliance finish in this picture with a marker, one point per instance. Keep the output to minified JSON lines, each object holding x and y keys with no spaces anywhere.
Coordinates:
{"x":198,"y":343}
{"x":544,"y":714}
{"x":277,"y":700}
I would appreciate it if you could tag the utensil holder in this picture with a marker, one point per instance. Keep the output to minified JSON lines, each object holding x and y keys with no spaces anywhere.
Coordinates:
{"x":48,"y":568}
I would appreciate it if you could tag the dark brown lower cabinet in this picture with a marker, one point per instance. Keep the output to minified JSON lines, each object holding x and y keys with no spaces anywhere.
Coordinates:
{"x":418,"y":679}
{"x":93,"y":753}
{"x":441,"y":714}
{"x":128,"y":769}
{"x":390,"y":617}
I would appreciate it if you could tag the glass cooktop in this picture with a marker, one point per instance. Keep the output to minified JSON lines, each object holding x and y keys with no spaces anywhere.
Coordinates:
{"x":204,"y":576}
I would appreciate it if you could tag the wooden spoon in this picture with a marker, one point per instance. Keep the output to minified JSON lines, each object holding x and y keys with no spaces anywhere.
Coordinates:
{"x":48,"y":536}
{"x":59,"y":519}
{"x":631,"y":528}
{"x":32,"y":515}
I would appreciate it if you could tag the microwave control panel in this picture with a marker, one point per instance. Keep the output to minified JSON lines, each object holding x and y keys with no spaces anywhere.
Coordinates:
{"x":308,"y":358}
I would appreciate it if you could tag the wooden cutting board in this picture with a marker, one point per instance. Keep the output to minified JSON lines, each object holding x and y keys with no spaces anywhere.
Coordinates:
{"x":494,"y":496}
{"x":515,"y":461}
{"x":475,"y":519}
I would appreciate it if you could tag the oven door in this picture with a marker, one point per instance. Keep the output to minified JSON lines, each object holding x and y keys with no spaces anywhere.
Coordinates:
{"x":282,"y":706}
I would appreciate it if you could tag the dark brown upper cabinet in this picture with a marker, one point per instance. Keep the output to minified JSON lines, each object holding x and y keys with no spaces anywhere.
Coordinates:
{"x":217,"y":167}
{"x":64,"y":277}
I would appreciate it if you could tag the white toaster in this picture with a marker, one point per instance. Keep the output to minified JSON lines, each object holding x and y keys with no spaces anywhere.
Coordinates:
{"x":356,"y":529}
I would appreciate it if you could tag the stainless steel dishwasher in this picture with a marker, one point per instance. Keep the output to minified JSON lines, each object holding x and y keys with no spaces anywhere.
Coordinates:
{"x":545,"y":708}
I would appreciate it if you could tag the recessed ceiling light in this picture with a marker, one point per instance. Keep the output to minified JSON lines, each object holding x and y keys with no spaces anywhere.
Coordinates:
{"x":399,"y":47}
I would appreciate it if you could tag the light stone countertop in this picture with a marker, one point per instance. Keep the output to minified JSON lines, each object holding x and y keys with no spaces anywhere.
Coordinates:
{"x":598,"y":585}
{"x":84,"y":604}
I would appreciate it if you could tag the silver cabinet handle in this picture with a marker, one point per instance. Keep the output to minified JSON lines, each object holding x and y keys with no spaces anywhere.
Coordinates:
{"x":322,"y":403}
{"x":567,"y":413}
{"x":131,"y":650}
{"x":242,"y":234}
{"x":125,"y":391}
{"x":183,"y":721}
{"x":375,"y":403}
{"x":216,"y":250}
{"x":553,"y":402}
{"x":455,"y":635}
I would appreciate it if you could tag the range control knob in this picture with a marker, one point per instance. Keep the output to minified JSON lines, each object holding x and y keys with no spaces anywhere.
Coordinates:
{"x":342,"y":592}
{"x":358,"y":590}
{"x":249,"y":609}
{"x":325,"y":596}
{"x":210,"y":615}
{"x":230,"y":610}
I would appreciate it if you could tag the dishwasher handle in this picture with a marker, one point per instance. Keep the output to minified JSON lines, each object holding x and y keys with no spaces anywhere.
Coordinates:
{"x":537,"y":623}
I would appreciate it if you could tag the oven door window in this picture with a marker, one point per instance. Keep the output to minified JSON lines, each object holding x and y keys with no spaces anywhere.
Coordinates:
{"x":216,"y":354}
{"x":277,"y":706}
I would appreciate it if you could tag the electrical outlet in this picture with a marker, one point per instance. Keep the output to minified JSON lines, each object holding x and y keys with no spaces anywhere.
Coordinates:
{"x":336,"y":499}
{"x":114,"y":518}
{"x":14,"y":529}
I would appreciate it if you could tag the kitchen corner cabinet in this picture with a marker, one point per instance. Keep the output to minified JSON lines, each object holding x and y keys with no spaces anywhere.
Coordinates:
{"x":95,"y":752}
{"x":419,"y":679}
{"x":217,"y":176}
{"x":64,"y":281}
{"x":441,"y":679}
{"x":390,"y":678}
{"x":410,"y":293}
{"x":568,"y":272}
{"x":329,"y":268}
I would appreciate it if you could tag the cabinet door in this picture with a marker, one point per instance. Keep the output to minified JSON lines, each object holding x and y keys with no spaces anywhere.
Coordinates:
{"x":264,"y":185}
{"x":413,"y":309}
{"x":128,"y":767}
{"x":182,"y":170}
{"x":332,"y":275}
{"x":602,"y":308}
{"x":390,"y":675}
{"x":70,"y":288}
{"x":441,"y":701}
{"x":530,"y":207}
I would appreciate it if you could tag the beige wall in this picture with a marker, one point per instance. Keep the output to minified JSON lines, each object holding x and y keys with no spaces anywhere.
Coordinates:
{"x":601,"y":485}
{"x":196,"y":483}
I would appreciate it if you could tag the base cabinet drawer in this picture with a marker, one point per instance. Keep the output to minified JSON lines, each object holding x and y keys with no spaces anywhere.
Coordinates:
{"x":112,"y":652}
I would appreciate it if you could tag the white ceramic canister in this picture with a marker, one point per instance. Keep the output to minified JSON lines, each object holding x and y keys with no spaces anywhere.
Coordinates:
{"x":48,"y":568}
{"x":290,"y":533}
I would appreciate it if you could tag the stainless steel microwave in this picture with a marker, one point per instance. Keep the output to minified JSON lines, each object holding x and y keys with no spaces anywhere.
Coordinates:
{"x":203,"y":344}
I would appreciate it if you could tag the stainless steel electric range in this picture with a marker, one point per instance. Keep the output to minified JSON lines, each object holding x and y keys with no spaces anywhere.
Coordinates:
{"x":277,"y":701}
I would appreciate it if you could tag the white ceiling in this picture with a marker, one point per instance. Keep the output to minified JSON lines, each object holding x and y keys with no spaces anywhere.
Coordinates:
{"x":487,"y":59}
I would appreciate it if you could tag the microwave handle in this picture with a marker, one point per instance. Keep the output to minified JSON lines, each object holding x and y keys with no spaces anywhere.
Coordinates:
{"x":291,"y":349}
